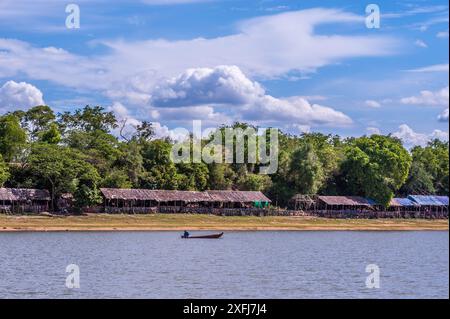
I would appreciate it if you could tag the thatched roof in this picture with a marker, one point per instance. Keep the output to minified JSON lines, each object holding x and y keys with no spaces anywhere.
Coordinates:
{"x":300,"y":198}
{"x":237,"y":196}
{"x":23,"y":194}
{"x":346,"y":200}
{"x":183,"y":196}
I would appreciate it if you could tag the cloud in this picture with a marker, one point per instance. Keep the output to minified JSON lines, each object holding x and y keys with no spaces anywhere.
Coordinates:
{"x":201,"y":92}
{"x":50,"y":63}
{"x":429,"y":98}
{"x":373,"y":131}
{"x":14,"y":95}
{"x":411,"y":138}
{"x":442,"y":34}
{"x":415,"y":11}
{"x":421,"y":43}
{"x":128,"y":124}
{"x":265,"y":47}
{"x":432,"y":68}
{"x":219,"y":85}
{"x":424,"y":26}
{"x":443,"y":117}
{"x":372,"y":103}
{"x":207,"y":114}
{"x":293,"y":110}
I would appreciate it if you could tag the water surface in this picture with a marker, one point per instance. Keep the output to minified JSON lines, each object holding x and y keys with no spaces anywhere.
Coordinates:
{"x":297,"y":264}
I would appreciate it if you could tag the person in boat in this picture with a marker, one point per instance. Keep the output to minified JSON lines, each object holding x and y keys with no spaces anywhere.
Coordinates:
{"x":186,"y":234}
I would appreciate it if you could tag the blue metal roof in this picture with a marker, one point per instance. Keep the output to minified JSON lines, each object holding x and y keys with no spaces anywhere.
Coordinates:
{"x":443,"y":199}
{"x":402,"y":202}
{"x":429,"y":200}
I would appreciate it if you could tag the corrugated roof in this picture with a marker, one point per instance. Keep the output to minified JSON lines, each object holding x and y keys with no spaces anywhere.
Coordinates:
{"x":184,"y":196}
{"x":22,"y":194}
{"x":429,"y":200}
{"x":346,"y":200}
{"x":405,"y":202}
{"x":443,"y":200}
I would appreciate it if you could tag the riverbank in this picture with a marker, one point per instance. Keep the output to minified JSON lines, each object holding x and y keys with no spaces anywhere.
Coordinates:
{"x":159,"y":222}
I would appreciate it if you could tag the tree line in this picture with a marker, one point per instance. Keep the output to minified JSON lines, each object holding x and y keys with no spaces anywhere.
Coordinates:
{"x":78,"y":152}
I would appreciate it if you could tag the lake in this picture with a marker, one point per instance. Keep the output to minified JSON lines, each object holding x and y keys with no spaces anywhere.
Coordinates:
{"x":315,"y":264}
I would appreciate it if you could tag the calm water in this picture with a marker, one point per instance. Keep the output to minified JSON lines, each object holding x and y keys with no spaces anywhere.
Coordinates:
{"x":241,"y":265}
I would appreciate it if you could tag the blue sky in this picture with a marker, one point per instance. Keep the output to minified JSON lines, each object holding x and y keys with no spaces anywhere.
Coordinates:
{"x":298,"y":65}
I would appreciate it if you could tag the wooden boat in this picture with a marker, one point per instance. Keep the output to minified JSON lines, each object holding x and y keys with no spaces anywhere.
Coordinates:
{"x":213,"y":236}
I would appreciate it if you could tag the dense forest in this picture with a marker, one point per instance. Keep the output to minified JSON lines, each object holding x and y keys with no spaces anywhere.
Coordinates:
{"x":80,"y":151}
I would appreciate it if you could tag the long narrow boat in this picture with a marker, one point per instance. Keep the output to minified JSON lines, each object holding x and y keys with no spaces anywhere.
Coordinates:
{"x":213,"y":236}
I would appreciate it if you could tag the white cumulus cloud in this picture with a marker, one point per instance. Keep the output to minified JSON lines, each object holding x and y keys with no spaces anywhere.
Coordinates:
{"x":443,"y":117}
{"x":228,"y":89}
{"x":411,"y":138}
{"x":372,"y":103}
{"x":219,"y":85}
{"x":19,"y":95}
{"x":429,"y":98}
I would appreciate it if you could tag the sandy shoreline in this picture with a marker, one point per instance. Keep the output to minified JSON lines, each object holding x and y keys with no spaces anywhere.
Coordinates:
{"x":108,"y":223}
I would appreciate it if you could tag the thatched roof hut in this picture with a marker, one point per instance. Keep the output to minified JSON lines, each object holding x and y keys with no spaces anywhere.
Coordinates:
{"x":24,"y":194}
{"x":356,"y":201}
{"x":22,"y":200}
{"x":183,"y":196}
{"x":237,"y":196}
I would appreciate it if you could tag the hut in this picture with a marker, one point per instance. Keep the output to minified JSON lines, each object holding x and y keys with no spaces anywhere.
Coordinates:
{"x":238,"y":199}
{"x":403,"y":207}
{"x":302,"y":202}
{"x":65,"y":202}
{"x":24,"y":200}
{"x":172,"y":201}
{"x":344,"y":206}
{"x":432,"y":206}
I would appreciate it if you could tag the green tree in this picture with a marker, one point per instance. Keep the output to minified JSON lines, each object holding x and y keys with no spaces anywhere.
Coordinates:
{"x":12,"y":137}
{"x":144,"y":132}
{"x":419,"y":181}
{"x":255,"y":182}
{"x":61,"y":169}
{"x":192,"y":176}
{"x":130,"y":161}
{"x":375,"y":167}
{"x":306,"y":172}
{"x":86,"y":193}
{"x":160,"y":171}
{"x":100,"y":148}
{"x":435,"y":160}
{"x":4,"y":171}
{"x":52,"y":135}
{"x":89,"y":119}
{"x":38,"y":119}
{"x":117,"y":178}
{"x":221,"y":176}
